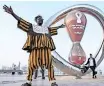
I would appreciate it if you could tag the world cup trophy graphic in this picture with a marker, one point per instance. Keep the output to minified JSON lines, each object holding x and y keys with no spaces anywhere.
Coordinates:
{"x":75,"y":22}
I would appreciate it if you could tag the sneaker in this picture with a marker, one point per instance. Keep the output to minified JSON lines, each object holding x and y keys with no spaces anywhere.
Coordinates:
{"x":95,"y":77}
{"x":43,"y":77}
{"x":26,"y":84}
{"x":54,"y":84}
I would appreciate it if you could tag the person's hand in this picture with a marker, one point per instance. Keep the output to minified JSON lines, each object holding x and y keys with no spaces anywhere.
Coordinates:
{"x":61,"y":26}
{"x":8,"y":9}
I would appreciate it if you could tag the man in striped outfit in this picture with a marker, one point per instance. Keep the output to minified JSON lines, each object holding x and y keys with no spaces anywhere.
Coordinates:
{"x":39,"y":44}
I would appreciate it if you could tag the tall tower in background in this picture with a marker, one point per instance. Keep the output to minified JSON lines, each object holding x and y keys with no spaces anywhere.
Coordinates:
{"x":19,"y":65}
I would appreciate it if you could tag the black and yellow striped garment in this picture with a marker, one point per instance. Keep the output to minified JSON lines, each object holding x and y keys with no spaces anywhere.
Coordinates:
{"x":36,"y":40}
{"x":40,"y":47}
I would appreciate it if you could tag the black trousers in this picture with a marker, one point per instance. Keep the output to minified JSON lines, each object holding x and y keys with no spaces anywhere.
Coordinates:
{"x":36,"y":73}
{"x":91,"y":67}
{"x":93,"y":70}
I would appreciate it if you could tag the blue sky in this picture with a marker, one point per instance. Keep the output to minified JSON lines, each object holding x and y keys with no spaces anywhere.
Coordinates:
{"x":12,"y":39}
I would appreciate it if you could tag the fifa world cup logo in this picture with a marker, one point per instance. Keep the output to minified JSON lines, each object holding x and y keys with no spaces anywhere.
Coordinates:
{"x":75,"y":22}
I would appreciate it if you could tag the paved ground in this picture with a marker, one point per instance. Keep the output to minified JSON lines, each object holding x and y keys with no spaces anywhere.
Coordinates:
{"x":61,"y":81}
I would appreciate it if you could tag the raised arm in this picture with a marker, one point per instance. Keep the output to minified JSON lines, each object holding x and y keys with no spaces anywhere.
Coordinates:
{"x":57,"y":27}
{"x":53,"y":30}
{"x":22,"y":24}
{"x":10,"y":11}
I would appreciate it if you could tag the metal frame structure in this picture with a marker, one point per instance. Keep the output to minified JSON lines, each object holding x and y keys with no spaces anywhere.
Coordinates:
{"x":60,"y":62}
